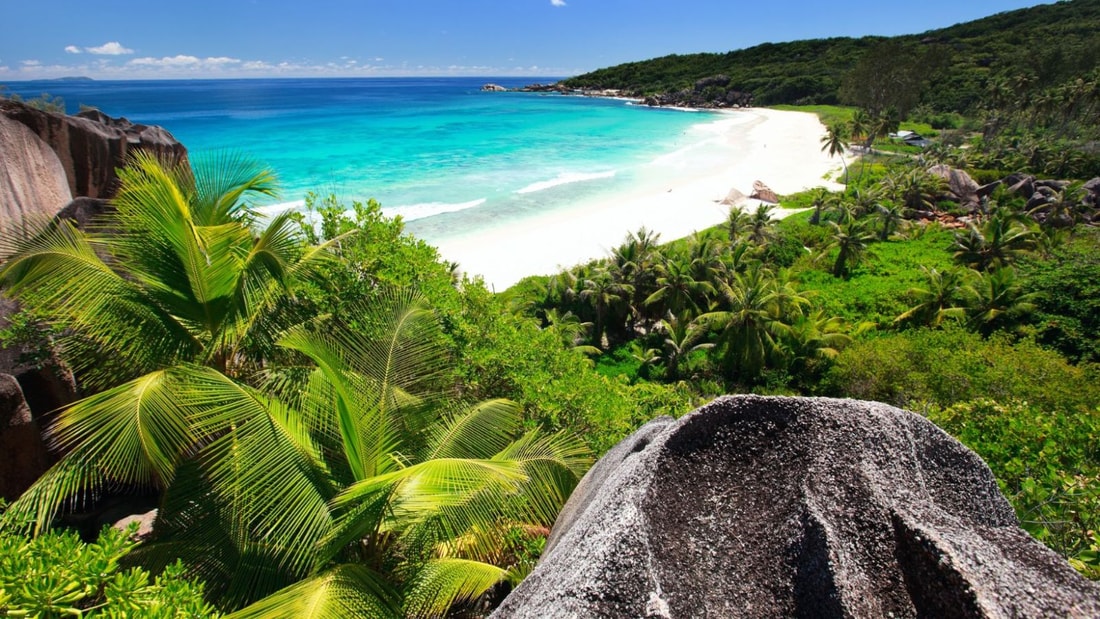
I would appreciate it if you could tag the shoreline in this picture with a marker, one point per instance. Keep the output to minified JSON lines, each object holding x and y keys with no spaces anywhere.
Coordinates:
{"x":780,"y":148}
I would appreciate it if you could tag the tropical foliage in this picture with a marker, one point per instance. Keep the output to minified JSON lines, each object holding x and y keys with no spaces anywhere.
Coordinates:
{"x":58,"y":575}
{"x":316,"y":459}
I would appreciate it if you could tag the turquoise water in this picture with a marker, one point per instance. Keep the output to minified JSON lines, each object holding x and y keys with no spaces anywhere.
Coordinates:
{"x":439,"y":152}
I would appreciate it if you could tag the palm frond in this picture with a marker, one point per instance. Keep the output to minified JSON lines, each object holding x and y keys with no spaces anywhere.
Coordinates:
{"x":480,"y":432}
{"x":223,"y":183}
{"x":443,"y":582}
{"x":344,"y":591}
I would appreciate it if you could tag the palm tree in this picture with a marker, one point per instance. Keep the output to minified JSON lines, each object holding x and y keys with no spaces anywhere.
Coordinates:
{"x":812,"y":339}
{"x":677,"y":289}
{"x":835,"y":142}
{"x":937,"y":301}
{"x":633,"y":266}
{"x":996,"y":300}
{"x":570,"y":330}
{"x":861,"y":126}
{"x":997,"y":242}
{"x":916,"y":189}
{"x":606,"y":296}
{"x":737,"y":222}
{"x":822,"y":200}
{"x":336,"y":477}
{"x":851,"y":242}
{"x":357,"y":490}
{"x":682,"y":337}
{"x":747,"y":322}
{"x":762,"y":226}
{"x":175,"y":275}
{"x":891,"y":218}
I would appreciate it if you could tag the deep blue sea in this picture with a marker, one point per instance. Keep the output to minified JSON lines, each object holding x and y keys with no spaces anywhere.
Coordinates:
{"x":439,"y":152}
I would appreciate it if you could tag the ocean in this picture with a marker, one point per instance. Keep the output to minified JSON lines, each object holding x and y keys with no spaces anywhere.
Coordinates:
{"x":441,"y":153}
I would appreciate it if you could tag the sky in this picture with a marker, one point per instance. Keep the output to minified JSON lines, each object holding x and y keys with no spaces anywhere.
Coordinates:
{"x":155,"y":39}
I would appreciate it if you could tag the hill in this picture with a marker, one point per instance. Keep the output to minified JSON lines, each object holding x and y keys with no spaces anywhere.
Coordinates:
{"x":1046,"y":45}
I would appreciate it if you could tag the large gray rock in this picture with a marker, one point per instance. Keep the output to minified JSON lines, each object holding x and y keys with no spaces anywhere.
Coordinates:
{"x":92,"y":146}
{"x":963,"y":188}
{"x":786,"y":507}
{"x":33,"y":185}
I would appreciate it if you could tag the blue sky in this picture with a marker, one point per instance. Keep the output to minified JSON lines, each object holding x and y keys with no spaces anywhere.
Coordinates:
{"x":114,"y":39}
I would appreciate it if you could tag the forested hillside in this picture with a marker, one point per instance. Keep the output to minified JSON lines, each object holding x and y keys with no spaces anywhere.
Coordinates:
{"x":1047,"y":45}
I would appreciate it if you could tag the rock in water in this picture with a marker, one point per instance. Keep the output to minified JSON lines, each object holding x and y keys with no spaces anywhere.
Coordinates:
{"x":795,"y":507}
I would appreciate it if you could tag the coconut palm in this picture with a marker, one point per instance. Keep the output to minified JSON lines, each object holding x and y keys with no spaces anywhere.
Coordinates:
{"x":761,"y":225}
{"x":835,"y":142}
{"x":571,"y":330}
{"x":677,"y":289}
{"x":634,"y":267}
{"x":682,"y":337}
{"x":747,"y":322}
{"x":822,"y":200}
{"x":737,"y":223}
{"x":996,"y":300}
{"x":891,"y":218}
{"x":850,"y":241}
{"x":175,"y":275}
{"x":607,"y":298}
{"x":811,"y":339}
{"x":916,"y":189}
{"x":998,"y":241}
{"x":357,"y":490}
{"x":938,"y":300}
{"x":270,"y":483}
{"x":861,"y":127}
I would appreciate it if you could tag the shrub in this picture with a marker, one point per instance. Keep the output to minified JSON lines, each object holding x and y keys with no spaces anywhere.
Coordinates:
{"x":1047,"y":463}
{"x":923,"y":368}
{"x":57,"y":574}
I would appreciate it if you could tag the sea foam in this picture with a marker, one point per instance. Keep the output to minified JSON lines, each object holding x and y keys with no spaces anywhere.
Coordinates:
{"x":565,"y":178}
{"x":428,"y":209}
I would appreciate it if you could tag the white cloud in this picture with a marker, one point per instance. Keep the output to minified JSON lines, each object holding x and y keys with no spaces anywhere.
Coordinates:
{"x":167,"y":61}
{"x":72,"y":49}
{"x":219,"y":61}
{"x":114,"y":48}
{"x":557,"y":2}
{"x":32,"y":63}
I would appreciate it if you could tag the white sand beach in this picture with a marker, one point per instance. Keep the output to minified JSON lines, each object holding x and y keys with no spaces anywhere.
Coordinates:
{"x":782,"y":149}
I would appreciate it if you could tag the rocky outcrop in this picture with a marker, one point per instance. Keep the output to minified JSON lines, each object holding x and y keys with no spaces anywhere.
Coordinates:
{"x":82,"y":211}
{"x":733,"y":198}
{"x":493,"y":88}
{"x":708,"y":92}
{"x":33,"y":184}
{"x":784,"y":507}
{"x":762,"y":192}
{"x":25,"y":457}
{"x":964,"y":189}
{"x":91,"y":145}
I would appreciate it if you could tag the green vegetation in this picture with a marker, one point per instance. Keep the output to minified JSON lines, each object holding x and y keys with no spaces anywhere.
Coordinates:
{"x":335,"y":447}
{"x":877,"y":292}
{"x":58,"y":575}
{"x":339,"y":423}
{"x":953,"y":66}
{"x":43,"y":102}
